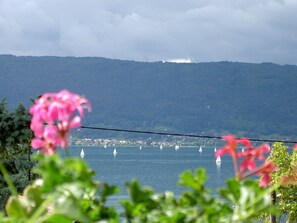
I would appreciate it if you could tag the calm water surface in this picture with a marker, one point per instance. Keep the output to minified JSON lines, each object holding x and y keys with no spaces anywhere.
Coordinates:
{"x":153,"y":167}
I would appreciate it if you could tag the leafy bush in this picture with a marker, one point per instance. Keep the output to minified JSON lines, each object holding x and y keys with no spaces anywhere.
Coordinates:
{"x":15,"y":138}
{"x":286,"y":194}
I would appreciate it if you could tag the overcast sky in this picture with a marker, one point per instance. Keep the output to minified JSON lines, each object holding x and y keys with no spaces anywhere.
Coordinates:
{"x":152,"y":30}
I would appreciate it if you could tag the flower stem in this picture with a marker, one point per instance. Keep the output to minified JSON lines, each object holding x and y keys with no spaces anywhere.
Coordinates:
{"x":40,"y":211}
{"x":236,"y":167}
{"x":11,"y":187}
{"x":7,"y":179}
{"x":250,"y":173}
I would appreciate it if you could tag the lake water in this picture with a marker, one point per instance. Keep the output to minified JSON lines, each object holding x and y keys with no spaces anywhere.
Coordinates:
{"x":154,"y":167}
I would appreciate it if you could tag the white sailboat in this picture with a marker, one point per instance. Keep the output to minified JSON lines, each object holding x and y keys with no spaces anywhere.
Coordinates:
{"x":176,"y":147}
{"x":200,"y":149}
{"x":218,"y":160}
{"x":105,"y":146}
{"x":82,"y":153}
{"x":161,"y":146}
{"x":114,"y":152}
{"x":140,"y":148}
{"x":215,"y":149}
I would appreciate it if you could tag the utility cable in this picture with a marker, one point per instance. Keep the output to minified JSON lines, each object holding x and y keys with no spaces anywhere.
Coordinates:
{"x":183,"y":134}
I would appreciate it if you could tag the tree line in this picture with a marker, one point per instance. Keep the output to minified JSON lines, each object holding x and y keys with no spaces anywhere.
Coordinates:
{"x":15,"y":149}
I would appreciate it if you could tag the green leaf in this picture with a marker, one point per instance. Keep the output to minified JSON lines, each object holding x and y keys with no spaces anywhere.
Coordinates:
{"x":107,"y":190}
{"x":195,"y":181}
{"x":248,"y":199}
{"x":137,"y":193}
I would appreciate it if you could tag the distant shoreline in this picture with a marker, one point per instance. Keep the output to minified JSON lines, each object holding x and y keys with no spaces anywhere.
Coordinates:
{"x":145,"y":143}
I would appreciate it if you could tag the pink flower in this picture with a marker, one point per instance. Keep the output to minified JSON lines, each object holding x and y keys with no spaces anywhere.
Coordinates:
{"x":53,"y":116}
{"x":230,"y":146}
{"x":44,"y":146}
{"x":265,"y":171}
{"x":259,"y":151}
{"x":248,"y":165}
{"x":250,"y":155}
{"x":248,"y":162}
{"x":245,"y":142}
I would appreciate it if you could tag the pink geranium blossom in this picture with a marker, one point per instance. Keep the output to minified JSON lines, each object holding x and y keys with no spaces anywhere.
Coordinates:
{"x":250,"y":156}
{"x":230,"y":146}
{"x":248,"y":162}
{"x":265,"y":171}
{"x":248,"y":166}
{"x":53,"y":116}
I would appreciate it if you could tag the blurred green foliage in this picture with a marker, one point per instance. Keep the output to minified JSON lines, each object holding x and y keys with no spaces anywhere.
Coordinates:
{"x":67,"y":192}
{"x":286,"y":195}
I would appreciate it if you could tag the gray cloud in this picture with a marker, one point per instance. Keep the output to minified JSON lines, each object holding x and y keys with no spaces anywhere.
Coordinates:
{"x":205,"y":30}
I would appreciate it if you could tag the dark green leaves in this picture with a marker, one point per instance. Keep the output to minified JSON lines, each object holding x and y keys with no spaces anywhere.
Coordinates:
{"x":195,"y":181}
{"x":15,"y":138}
{"x":247,"y":199}
{"x":67,"y":192}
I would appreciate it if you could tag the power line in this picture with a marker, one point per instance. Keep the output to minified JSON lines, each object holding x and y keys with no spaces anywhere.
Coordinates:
{"x":181,"y":134}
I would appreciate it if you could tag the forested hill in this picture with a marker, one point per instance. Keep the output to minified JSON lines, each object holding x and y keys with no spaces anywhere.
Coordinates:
{"x":217,"y":97}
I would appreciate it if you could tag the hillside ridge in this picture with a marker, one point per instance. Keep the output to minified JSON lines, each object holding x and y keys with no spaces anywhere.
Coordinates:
{"x":209,"y":97}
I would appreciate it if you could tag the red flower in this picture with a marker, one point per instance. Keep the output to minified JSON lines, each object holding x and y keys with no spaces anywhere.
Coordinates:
{"x":250,"y":155}
{"x":248,"y":162}
{"x":230,"y":146}
{"x":248,"y":165}
{"x":259,"y":151}
{"x":265,"y":171}
{"x":245,"y":142}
